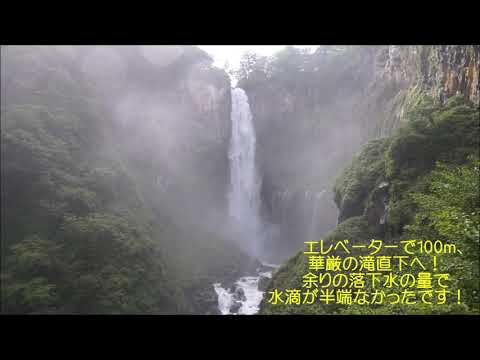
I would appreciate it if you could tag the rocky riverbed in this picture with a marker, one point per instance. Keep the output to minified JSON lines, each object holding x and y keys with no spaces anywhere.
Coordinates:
{"x":245,"y":295}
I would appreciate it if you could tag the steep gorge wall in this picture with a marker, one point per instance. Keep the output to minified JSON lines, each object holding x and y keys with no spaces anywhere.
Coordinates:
{"x":373,"y":191}
{"x":403,"y":74}
{"x":107,"y":140}
{"x":308,"y":128}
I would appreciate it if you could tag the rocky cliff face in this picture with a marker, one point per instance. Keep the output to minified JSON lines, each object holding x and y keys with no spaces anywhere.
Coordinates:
{"x":298,"y":147}
{"x":442,"y":70}
{"x":178,"y":122}
{"x":403,"y":74}
{"x":420,"y":107}
{"x":308,"y":126}
{"x":176,"y":131}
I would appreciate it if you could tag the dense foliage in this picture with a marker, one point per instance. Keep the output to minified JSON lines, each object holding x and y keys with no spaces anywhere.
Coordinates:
{"x":106,"y":197}
{"x":422,"y":183}
{"x":84,"y":227}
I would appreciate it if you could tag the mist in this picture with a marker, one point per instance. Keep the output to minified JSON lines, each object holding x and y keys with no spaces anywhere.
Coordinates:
{"x":152,"y":164}
{"x":165,"y":114}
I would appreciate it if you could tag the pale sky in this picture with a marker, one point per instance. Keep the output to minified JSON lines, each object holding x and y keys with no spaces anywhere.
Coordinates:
{"x":233,"y":53}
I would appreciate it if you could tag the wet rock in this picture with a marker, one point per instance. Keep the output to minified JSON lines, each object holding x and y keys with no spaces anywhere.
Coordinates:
{"x":265,"y":268}
{"x":235,"y":307}
{"x":239,"y":294}
{"x":263,"y":283}
{"x":376,"y":209}
{"x":206,"y":301}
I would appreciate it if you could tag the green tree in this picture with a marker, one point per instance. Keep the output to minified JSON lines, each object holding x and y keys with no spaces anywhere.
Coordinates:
{"x":450,"y":210}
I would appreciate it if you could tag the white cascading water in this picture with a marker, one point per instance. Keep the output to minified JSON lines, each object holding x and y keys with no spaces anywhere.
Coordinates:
{"x":244,"y":198}
{"x":244,"y":205}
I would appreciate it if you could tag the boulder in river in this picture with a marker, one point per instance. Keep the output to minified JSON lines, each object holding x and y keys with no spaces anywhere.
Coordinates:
{"x":239,"y":294}
{"x":235,"y":307}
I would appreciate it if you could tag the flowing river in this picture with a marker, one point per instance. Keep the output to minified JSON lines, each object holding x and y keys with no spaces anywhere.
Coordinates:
{"x":245,"y":296}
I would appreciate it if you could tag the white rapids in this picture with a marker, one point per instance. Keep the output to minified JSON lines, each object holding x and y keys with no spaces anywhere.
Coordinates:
{"x":229,"y":303}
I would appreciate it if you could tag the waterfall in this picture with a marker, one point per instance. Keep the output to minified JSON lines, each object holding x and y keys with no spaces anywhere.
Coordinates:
{"x":244,"y":198}
{"x":244,"y":208}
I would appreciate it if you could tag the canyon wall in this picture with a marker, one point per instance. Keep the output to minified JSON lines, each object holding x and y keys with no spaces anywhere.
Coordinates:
{"x":312,"y":112}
